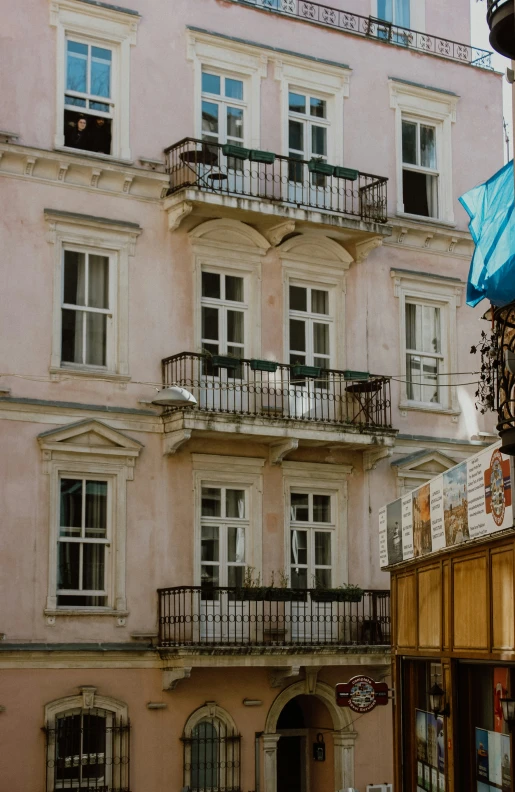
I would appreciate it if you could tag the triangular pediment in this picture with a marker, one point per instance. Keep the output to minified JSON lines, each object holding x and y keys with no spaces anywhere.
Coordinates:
{"x":91,"y":434}
{"x":426,"y":463}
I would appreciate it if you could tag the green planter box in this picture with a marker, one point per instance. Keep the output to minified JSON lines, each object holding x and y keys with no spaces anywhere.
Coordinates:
{"x":269,"y":594}
{"x":355,"y":375}
{"x":305,"y":371}
{"x":336,"y":595}
{"x":238,"y":152}
{"x":316,"y":166}
{"x":346,"y":173}
{"x":263,"y":365}
{"x":225,"y":362}
{"x":262,"y":156}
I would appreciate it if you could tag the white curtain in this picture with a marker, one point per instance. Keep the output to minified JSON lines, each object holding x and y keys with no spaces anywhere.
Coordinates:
{"x":295,"y":548}
{"x":97,"y":298}
{"x":80,"y":299}
{"x":240,"y":545}
{"x":402,"y":13}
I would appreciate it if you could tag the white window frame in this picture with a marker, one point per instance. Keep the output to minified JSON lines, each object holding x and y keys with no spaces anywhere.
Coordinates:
{"x":86,"y":700}
{"x":223,"y":523}
{"x":223,"y":305}
{"x":311,"y":527}
{"x":426,"y":171}
{"x":417,"y":14}
{"x":444,"y":293}
{"x":104,"y":27}
{"x":223,"y":102}
{"x":307,"y":120}
{"x":66,"y":452}
{"x":116,"y":241}
{"x":310,"y":318}
{"x":437,"y":109}
{"x":233,"y":472}
{"x":321,"y":479}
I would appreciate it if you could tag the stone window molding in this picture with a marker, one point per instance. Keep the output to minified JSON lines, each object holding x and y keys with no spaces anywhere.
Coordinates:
{"x":416,"y":469}
{"x":106,"y":26}
{"x":445,"y":293}
{"x":116,"y":240}
{"x":90,"y":448}
{"x":437,"y":108}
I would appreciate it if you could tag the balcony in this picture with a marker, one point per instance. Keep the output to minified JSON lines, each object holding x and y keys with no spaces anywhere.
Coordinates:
{"x":380,"y":30}
{"x":500,"y":16}
{"x":209,"y":174}
{"x":295,"y":619}
{"x":269,"y":401}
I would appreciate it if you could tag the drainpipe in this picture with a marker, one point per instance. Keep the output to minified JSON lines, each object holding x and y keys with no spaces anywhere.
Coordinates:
{"x":257,"y":764}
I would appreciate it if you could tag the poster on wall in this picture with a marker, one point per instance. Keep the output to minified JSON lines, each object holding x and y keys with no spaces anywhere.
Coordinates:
{"x":430,"y":748}
{"x":472,"y":499}
{"x":493,"y":761}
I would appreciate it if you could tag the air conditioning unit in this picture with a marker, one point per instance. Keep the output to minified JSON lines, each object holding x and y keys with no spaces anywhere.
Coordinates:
{"x":380,"y":788}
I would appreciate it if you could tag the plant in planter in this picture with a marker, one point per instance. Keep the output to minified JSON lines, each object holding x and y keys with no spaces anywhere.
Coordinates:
{"x":263,"y":365}
{"x":222,"y":361}
{"x":300,"y":370}
{"x":253,"y":590}
{"x":348,"y":593}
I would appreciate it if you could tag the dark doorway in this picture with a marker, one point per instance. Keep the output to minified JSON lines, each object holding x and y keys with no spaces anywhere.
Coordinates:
{"x":290,"y":751}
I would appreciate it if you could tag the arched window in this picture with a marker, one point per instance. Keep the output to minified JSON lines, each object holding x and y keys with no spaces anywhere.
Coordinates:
{"x":87,"y":744}
{"x":211,"y":752}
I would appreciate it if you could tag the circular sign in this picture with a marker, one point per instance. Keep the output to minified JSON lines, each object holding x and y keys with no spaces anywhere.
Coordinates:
{"x":362,"y":695}
{"x":498,"y":503}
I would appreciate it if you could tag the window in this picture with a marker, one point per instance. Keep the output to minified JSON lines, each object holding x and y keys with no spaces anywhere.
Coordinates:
{"x":211,"y":745}
{"x":223,"y":109}
{"x":308,"y":127}
{"x":223,"y":312}
{"x":419,"y":169}
{"x":87,"y":746}
{"x":310,"y":326}
{"x":84,"y":540}
{"x":311,"y":539}
{"x":224,"y":527}
{"x":93,"y":76}
{"x":87,"y":316}
{"x":424,"y":357}
{"x":395,"y":11}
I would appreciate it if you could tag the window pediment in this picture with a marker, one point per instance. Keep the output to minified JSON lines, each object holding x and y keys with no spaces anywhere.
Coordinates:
{"x":89,"y":436}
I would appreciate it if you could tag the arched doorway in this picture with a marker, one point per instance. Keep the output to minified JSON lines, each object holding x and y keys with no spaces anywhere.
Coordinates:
{"x":296,"y":717}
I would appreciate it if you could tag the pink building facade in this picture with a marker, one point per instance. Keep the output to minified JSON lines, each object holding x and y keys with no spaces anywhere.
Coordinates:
{"x":256,"y":202}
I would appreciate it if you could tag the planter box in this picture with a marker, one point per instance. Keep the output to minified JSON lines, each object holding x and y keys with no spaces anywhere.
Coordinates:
{"x":269,"y":594}
{"x":355,"y":375}
{"x":224,"y":362}
{"x":346,"y":173}
{"x":263,"y":365}
{"x":305,"y":371}
{"x":262,"y":156}
{"x":316,"y":166}
{"x":336,"y":595}
{"x":238,"y":152}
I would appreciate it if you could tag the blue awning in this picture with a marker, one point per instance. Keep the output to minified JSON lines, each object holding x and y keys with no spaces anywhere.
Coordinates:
{"x":491,"y":207}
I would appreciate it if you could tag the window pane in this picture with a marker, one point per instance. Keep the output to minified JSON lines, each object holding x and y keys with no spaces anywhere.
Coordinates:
{"x":76,"y":66}
{"x":296,"y":135}
{"x":235,"y":327}
{"x":428,"y":146}
{"x":211,"y":502}
{"x":98,"y":282}
{"x":204,"y":757}
{"x":96,"y":334}
{"x":322,"y":508}
{"x":211,"y":285}
{"x":209,"y":543}
{"x":100,"y":72}
{"x":419,"y":192}
{"x":72,"y":336}
{"x":423,"y":328}
{"x":299,"y":547}
{"x":409,"y":142}
{"x":236,"y":544}
{"x":235,"y":503}
{"x":68,"y":565}
{"x":298,"y":298}
{"x":320,"y":338}
{"x":297,"y":335}
{"x":93,"y":746}
{"x":74,"y":292}
{"x":317,"y":107}
{"x":385,"y":10}
{"x":235,"y":122}
{"x":210,"y":323}
{"x":71,"y":507}
{"x":323,"y":548}
{"x":233,"y":88}
{"x":297,"y":103}
{"x":319,"y":301}
{"x":210,"y":118}
{"x":319,"y":140}
{"x":96,"y":509}
{"x":93,"y":571}
{"x":299,"y":578}
{"x":233,"y":288}
{"x":299,"y":507}
{"x":210,"y":83}
{"x":322,"y":578}
{"x":209,"y":575}
{"x":235,"y":575}
{"x":68,"y":749}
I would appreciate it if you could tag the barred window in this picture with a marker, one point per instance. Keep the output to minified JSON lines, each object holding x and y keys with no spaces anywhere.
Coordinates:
{"x":88,"y":749}
{"x":212,"y":757}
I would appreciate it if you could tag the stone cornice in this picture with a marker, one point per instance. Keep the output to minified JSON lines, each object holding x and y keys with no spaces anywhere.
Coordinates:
{"x":429,"y":237}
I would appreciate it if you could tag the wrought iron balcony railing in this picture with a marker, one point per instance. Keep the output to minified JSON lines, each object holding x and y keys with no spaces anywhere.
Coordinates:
{"x":271,"y":177}
{"x":281,"y":391}
{"x":246,"y":618}
{"x":372,"y":28}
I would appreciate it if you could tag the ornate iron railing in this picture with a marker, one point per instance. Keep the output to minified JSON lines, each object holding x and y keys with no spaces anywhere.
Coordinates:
{"x":239,"y":617}
{"x":242,"y":387}
{"x":503,"y":352}
{"x":373,"y":28}
{"x":211,"y":760}
{"x":194,"y":163}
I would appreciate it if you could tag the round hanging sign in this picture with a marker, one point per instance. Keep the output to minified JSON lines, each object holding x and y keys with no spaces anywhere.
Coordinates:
{"x":361,"y":693}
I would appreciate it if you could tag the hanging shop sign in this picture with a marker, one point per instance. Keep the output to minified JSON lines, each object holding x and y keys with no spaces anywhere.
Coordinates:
{"x":361,"y":694}
{"x":470,"y":500}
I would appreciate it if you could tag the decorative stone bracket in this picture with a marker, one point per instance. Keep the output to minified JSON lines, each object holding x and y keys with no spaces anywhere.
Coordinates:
{"x":279,"y":450}
{"x":172,"y":676}
{"x":278,"y":676}
{"x":172,"y":441}
{"x":371,"y":458}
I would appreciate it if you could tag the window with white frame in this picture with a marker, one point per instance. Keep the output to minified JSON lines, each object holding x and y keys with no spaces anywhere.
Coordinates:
{"x":224,"y":531}
{"x":223,"y":314}
{"x":395,"y":11}
{"x":88,"y":105}
{"x":223,"y":108}
{"x":419,"y":168}
{"x":87,"y":314}
{"x":310,"y":326}
{"x":308,"y":129}
{"x":424,"y":357}
{"x":312,"y":528}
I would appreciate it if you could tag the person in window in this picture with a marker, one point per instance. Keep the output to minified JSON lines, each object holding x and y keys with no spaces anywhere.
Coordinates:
{"x":101,"y":136}
{"x":77,"y":134}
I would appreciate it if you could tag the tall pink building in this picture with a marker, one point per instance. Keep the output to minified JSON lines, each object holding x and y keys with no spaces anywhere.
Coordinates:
{"x":256,"y":201}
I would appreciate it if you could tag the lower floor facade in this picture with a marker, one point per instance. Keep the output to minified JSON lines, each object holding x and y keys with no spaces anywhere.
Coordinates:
{"x":112,"y":718}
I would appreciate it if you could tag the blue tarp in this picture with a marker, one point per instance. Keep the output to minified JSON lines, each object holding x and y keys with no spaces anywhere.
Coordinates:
{"x":491,"y":207}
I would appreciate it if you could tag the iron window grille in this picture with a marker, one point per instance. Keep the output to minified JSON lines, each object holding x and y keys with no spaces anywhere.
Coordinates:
{"x":212,"y":757}
{"x":88,"y":750}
